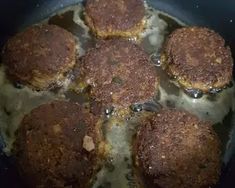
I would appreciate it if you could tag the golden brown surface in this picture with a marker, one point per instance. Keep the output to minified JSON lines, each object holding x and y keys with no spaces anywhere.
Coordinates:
{"x":108,"y":18}
{"x":174,"y":149}
{"x":198,"y":58}
{"x":119,"y":73}
{"x":58,"y":145}
{"x":39,"y":56}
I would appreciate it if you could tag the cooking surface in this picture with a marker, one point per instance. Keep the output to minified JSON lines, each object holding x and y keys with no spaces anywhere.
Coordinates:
{"x":118,"y":168}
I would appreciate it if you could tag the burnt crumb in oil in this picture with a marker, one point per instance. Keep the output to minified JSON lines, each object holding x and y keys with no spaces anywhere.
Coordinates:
{"x":157,"y":97}
{"x":126,"y":159}
{"x":109,"y":165}
{"x":129,"y":176}
{"x":7,"y":112}
{"x":131,"y":179}
{"x":170,"y":104}
{"x":148,"y":14}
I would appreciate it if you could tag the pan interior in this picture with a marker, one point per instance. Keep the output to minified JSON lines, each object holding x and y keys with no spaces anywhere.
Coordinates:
{"x":217,"y":109}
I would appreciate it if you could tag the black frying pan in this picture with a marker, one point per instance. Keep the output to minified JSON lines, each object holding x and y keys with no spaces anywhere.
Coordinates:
{"x":216,"y":14}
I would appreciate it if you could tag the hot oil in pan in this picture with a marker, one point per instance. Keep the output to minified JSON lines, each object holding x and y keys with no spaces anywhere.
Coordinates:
{"x":71,"y":20}
{"x":118,"y":170}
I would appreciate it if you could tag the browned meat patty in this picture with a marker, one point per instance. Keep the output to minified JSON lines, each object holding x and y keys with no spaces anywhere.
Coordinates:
{"x":40,"y":56}
{"x":175,"y":149}
{"x":108,"y":18}
{"x":198,"y":58}
{"x":119,"y":73}
{"x":58,"y":145}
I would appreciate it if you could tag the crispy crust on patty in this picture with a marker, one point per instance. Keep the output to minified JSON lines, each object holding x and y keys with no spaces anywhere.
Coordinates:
{"x":198,"y":58}
{"x":176,"y":149}
{"x":51,"y":149}
{"x":39,"y":56}
{"x":108,"y":18}
{"x":119,"y":73}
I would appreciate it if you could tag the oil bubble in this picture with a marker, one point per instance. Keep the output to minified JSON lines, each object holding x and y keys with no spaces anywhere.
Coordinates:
{"x":194,"y":93}
{"x":136,"y":107}
{"x":215,"y":90}
{"x":109,"y":111}
{"x":156,"y":59}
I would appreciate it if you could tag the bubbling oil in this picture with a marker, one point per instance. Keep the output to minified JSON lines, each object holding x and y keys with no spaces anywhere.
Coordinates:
{"x":118,"y":170}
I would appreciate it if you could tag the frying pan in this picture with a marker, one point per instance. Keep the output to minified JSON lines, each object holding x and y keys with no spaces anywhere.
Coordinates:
{"x":215,"y":14}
